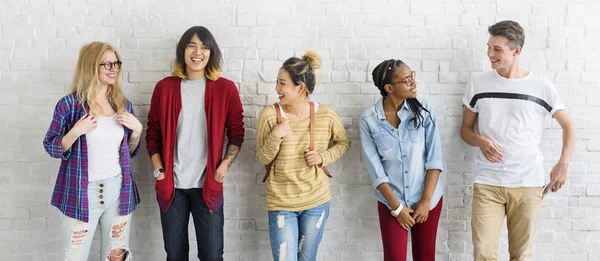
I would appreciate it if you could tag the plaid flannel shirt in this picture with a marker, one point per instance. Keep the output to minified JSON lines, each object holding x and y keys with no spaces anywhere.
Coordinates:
{"x":70,"y":192}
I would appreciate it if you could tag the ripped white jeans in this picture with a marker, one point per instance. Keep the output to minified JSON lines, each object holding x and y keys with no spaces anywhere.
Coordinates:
{"x":77,"y":236}
{"x":295,"y":236}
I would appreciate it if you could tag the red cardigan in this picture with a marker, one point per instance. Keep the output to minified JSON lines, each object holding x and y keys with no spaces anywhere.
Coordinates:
{"x":223,"y":111}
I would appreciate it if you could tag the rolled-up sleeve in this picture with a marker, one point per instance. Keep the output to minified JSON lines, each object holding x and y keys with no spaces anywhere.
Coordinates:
{"x":235,"y":119}
{"x":57,"y":130}
{"x":154,"y":132}
{"x":371,"y":156}
{"x":133,"y":153}
{"x":433,"y":143}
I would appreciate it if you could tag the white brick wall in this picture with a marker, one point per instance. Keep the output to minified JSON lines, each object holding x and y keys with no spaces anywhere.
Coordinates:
{"x":443,"y":40}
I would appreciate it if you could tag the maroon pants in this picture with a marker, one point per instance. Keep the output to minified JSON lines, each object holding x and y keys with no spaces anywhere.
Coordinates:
{"x":395,"y":238}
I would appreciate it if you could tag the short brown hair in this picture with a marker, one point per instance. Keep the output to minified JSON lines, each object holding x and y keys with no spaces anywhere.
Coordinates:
{"x":511,"y":30}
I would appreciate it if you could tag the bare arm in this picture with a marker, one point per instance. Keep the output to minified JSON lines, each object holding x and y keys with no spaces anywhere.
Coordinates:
{"x":466,"y":130}
{"x":68,"y":140}
{"x":568,"y":137}
{"x":232,"y":152}
{"x":558,"y":175}
{"x":431,"y":180}
{"x":405,"y":219}
{"x":84,"y":125}
{"x":422,"y":208}
{"x":158,"y":164}
{"x":157,"y":161}
{"x":230,"y":155}
{"x":134,"y":141}
{"x":389,"y":196}
{"x":489,"y":148}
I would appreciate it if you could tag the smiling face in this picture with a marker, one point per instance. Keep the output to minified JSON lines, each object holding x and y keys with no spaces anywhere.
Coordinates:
{"x":108,"y":77}
{"x":500,"y":53}
{"x":288,"y":92}
{"x":403,"y":85}
{"x":196,"y":57}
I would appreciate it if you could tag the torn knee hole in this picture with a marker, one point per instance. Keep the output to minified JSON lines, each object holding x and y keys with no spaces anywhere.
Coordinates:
{"x":79,"y":232}
{"x":118,"y":237}
{"x":117,"y":231}
{"x":117,"y":253}
{"x":119,"y":227}
{"x":77,"y":237}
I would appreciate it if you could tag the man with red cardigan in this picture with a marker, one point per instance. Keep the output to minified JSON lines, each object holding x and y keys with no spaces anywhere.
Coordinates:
{"x":190,"y":114}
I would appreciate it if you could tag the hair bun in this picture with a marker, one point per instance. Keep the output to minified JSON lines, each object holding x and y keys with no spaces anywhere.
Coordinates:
{"x":313,"y":59}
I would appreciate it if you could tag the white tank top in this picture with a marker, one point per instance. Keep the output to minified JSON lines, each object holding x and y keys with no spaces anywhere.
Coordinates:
{"x":103,"y":146}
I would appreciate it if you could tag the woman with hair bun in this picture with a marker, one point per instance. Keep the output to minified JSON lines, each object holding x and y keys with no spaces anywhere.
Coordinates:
{"x":292,"y":142}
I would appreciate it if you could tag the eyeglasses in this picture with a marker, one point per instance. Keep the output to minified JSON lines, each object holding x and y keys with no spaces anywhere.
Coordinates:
{"x":109,"y":65}
{"x":408,"y":80}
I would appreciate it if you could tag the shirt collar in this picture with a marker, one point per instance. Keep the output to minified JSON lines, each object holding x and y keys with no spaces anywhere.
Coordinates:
{"x":379,"y":109}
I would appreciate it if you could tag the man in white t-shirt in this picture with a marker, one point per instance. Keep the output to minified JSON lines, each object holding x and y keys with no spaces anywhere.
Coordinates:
{"x":510,"y":104}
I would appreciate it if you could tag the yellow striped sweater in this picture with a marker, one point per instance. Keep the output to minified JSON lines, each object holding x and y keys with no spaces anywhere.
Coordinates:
{"x":292,"y":184}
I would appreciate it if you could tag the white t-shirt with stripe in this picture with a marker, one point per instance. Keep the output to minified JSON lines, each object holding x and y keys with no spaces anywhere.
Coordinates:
{"x":511,"y":112}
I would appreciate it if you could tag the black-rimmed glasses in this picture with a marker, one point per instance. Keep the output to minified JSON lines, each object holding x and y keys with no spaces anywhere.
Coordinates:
{"x":109,"y":65}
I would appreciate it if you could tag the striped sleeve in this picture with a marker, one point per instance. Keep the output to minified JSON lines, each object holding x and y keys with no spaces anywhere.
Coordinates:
{"x":267,"y":147}
{"x":341,"y":142}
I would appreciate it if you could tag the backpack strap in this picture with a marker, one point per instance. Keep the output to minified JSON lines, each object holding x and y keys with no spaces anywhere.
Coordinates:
{"x":312,"y":137}
{"x":311,"y":146}
{"x":278,"y":112}
{"x":279,"y":121}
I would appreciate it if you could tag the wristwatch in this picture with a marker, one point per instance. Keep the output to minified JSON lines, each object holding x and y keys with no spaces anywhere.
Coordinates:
{"x":397,"y":211}
{"x":158,"y":172}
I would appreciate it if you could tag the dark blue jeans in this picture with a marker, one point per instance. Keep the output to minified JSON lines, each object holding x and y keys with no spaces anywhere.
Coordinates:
{"x":208,"y":226}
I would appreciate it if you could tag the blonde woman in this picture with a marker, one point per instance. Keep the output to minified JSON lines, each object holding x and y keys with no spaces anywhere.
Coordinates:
{"x":298,"y":191}
{"x":95,"y":134}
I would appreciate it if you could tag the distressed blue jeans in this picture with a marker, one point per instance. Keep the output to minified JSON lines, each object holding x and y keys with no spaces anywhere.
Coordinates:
{"x":77,"y":236}
{"x":295,"y":236}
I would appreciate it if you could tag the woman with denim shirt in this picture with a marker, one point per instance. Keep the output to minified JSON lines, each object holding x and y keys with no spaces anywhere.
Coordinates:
{"x":95,"y":134}
{"x":402,"y":148}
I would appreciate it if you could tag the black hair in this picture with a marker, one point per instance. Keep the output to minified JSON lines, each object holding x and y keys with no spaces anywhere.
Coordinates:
{"x":213,"y":67}
{"x":383,"y":74}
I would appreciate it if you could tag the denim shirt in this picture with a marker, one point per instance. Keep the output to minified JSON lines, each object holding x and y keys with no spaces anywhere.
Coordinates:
{"x":401,"y":157}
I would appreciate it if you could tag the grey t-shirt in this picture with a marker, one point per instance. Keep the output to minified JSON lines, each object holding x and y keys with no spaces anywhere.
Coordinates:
{"x":192,"y":147}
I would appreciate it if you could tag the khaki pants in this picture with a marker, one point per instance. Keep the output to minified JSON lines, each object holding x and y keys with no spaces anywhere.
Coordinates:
{"x":521,"y":206}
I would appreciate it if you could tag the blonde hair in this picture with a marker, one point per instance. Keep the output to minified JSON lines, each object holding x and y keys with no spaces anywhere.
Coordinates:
{"x":179,"y":71}
{"x":86,"y":82}
{"x":303,"y":70}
